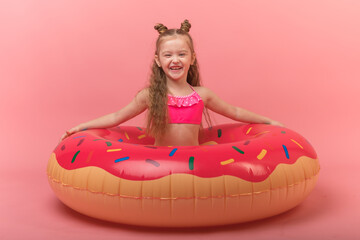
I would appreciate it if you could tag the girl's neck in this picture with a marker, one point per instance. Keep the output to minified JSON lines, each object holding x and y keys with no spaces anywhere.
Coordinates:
{"x":177,"y":86}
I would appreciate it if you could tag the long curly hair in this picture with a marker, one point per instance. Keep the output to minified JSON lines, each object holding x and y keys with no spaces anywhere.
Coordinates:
{"x":157,"y":118}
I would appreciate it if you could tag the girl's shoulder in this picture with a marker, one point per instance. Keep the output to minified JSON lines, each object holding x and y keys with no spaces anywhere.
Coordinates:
{"x":143,"y":95}
{"x":204,"y":92}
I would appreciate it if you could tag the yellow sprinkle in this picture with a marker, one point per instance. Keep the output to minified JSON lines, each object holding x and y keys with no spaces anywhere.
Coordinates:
{"x":297,"y":143}
{"x":248,"y":130}
{"x":227,"y":161}
{"x":114,"y":150}
{"x":127,"y":136}
{"x":262,"y":154}
{"x":141,"y":136}
{"x":209,"y":143}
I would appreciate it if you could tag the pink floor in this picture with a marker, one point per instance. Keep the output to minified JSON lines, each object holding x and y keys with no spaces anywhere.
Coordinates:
{"x":295,"y":61}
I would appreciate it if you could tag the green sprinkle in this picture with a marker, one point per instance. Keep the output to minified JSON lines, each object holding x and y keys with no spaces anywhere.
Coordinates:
{"x":139,"y":128}
{"x":191,"y":163}
{"x":75,"y":155}
{"x":242,"y":152}
{"x":108,"y":144}
{"x":283,"y":132}
{"x":219,"y":132}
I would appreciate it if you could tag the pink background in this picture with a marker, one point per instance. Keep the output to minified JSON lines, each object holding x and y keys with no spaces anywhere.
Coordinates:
{"x":65,"y":62}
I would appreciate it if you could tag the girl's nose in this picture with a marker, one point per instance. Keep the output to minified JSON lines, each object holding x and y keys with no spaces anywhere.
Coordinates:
{"x":175,"y":59}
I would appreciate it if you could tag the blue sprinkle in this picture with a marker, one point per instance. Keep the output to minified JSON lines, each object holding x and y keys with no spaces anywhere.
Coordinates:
{"x":286,"y":152}
{"x":121,"y":159}
{"x":78,"y":137}
{"x":173,"y":152}
{"x":120,"y":140}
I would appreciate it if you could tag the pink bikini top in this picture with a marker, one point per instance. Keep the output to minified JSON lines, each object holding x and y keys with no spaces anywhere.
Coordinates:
{"x":185,"y":109}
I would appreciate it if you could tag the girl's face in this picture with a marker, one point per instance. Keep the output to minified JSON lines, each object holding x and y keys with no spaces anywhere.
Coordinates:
{"x":175,"y":57}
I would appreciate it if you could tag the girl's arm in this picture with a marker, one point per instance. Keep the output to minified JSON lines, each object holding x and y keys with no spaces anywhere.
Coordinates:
{"x":134,"y":108}
{"x":216,"y":104}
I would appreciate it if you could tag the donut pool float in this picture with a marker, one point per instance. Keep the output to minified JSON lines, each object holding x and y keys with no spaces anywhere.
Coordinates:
{"x":239,"y":173}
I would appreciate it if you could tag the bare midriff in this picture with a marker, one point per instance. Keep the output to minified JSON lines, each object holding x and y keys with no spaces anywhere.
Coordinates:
{"x":179,"y":134}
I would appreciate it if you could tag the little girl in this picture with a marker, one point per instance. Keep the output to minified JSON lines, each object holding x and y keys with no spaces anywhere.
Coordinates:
{"x":175,"y":100}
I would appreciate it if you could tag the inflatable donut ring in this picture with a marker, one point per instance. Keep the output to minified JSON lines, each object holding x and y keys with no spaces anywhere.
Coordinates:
{"x":242,"y":172}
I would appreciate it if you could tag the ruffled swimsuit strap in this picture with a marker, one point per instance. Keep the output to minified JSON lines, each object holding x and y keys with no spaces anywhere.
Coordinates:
{"x":184,"y":101}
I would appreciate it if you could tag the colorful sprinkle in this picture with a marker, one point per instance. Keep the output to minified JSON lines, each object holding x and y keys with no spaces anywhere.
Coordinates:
{"x":141,"y":136}
{"x":267,"y":145}
{"x":242,"y":152}
{"x":209,"y":143}
{"x":63,"y":147}
{"x":219,"y":132}
{"x":283,"y":132}
{"x":113,"y":150}
{"x":286,"y":151}
{"x":297,"y":143}
{"x":247,"y":142}
{"x":153,"y":162}
{"x":261,"y":133}
{"x":80,"y":142}
{"x":78,"y":137}
{"x":151,"y":147}
{"x":247,"y":132}
{"x":120,"y":140}
{"x":75,"y":155}
{"x":121,"y":159}
{"x":127,"y":136}
{"x":262,"y":154}
{"x":191,"y":163}
{"x":173,"y":152}
{"x":83,"y":129}
{"x":139,"y":128}
{"x":108,"y":144}
{"x":89,"y":156}
{"x":227,"y":161}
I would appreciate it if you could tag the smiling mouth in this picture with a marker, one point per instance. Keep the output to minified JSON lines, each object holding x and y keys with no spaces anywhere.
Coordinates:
{"x":175,"y":68}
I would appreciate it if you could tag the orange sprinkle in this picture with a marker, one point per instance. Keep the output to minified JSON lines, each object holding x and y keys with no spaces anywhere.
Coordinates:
{"x":141,"y":136}
{"x":127,"y":136}
{"x":114,"y":150}
{"x":297,"y":143}
{"x":248,"y":130}
{"x":89,"y":156}
{"x":261,"y":133}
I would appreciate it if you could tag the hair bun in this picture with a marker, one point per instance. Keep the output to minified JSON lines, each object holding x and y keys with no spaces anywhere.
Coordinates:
{"x":185,"y":25}
{"x":160,"y":28}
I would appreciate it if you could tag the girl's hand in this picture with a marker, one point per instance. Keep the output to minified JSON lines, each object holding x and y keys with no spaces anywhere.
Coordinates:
{"x":69,"y":133}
